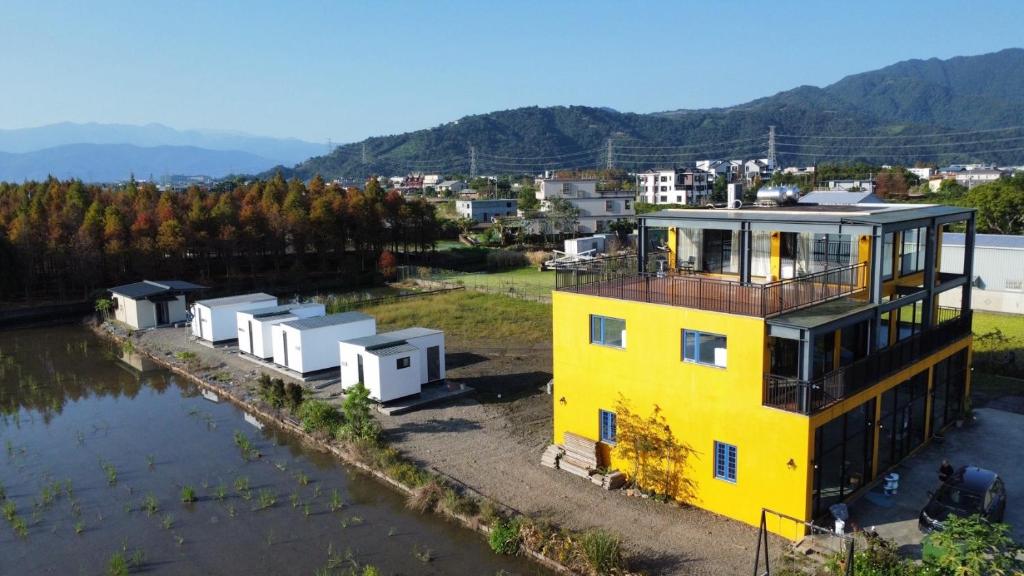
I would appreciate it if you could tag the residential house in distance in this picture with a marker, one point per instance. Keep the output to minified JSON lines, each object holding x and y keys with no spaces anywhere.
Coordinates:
{"x":149,"y":303}
{"x":758,"y":168}
{"x":450,"y":186}
{"x":597,"y":208}
{"x":788,"y":395}
{"x":431,"y":180}
{"x":851,"y":185}
{"x":922,"y":173}
{"x":687,"y":186}
{"x":720,"y":169}
{"x":483,"y":211}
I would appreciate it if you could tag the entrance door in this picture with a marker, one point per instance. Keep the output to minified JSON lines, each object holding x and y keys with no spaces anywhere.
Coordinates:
{"x":161,"y":313}
{"x":252,"y":349}
{"x":433,"y":363}
{"x":284,"y":338}
{"x":359,"y":366}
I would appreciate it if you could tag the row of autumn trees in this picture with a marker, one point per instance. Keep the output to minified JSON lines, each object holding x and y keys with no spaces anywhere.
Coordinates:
{"x":67,"y":239}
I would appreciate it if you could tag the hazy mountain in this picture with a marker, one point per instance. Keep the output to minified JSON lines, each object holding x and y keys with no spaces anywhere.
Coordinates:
{"x":115,"y":162}
{"x":911,"y":97}
{"x":278,"y":150}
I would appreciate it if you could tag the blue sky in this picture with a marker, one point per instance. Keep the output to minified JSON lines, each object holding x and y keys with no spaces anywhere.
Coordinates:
{"x":348,"y":70}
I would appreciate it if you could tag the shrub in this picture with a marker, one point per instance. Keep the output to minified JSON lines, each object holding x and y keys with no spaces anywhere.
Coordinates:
{"x":603,"y":551}
{"x":293,"y":395}
{"x":973,"y":546}
{"x":461,"y":504}
{"x":506,"y":259}
{"x":272,"y":391}
{"x":359,"y":422}
{"x":425,"y":498}
{"x":504,"y":538}
{"x":538,"y":257}
{"x":318,"y":416}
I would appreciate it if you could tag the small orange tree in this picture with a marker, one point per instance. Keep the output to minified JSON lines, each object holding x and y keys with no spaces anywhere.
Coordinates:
{"x":657,"y":456}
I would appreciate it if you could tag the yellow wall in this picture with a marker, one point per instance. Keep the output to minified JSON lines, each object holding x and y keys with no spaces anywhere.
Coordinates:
{"x":702,"y":404}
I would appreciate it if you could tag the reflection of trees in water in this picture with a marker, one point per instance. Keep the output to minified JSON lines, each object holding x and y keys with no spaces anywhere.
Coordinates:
{"x":43,"y":369}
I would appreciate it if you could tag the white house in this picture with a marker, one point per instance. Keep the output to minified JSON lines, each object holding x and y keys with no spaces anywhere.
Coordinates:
{"x":485,"y":210}
{"x":597,"y":208}
{"x":308,"y":345}
{"x":151,"y":303}
{"x":674,"y":186}
{"x":922,"y":173}
{"x":393,"y":364}
{"x":215,"y":320}
{"x":454,"y":186}
{"x":254,"y":326}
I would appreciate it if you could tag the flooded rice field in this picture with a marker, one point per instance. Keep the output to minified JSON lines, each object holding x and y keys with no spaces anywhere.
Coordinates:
{"x":112,"y":464}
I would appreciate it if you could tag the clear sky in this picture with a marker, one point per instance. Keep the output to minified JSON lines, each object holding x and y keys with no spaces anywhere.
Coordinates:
{"x":347,"y":70}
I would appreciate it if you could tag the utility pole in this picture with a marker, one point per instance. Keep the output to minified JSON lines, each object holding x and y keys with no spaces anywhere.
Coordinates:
{"x":771,"y":148}
{"x":472,"y":162}
{"x":610,"y":161}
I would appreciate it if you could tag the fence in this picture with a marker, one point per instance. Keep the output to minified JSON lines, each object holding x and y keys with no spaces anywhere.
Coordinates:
{"x":534,"y":287}
{"x":335,"y":304}
{"x":835,"y":543}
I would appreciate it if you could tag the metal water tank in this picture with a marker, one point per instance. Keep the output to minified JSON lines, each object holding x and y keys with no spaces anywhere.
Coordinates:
{"x":778,"y":194}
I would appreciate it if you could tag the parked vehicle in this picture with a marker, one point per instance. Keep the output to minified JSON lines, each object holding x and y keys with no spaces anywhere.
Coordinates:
{"x":970,"y":490}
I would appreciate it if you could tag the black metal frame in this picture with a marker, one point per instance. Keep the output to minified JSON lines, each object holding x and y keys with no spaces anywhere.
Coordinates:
{"x":811,"y":396}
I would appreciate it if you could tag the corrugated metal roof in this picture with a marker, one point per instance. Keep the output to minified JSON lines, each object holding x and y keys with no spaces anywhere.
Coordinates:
{"x":237,"y":299}
{"x":147,"y":288}
{"x":391,"y":338}
{"x":985,"y":240}
{"x":329,"y":320}
{"x":395,"y":350}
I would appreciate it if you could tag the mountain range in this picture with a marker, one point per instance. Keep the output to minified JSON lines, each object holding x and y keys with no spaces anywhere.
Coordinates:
{"x":916,"y":110}
{"x":968,"y":108}
{"x":111,"y":152}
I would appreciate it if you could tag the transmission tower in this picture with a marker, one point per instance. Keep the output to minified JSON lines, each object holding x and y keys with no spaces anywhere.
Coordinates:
{"x":771,"y":148}
{"x":610,"y":160}
{"x":472,"y":161}
{"x":364,"y":152}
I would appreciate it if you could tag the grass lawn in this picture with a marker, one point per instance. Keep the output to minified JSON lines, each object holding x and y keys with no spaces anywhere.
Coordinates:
{"x":470,"y":317}
{"x":999,"y":343}
{"x":526,"y":281}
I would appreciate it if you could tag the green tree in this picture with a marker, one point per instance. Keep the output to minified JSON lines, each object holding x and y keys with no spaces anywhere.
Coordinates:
{"x":1000,"y":207}
{"x":528,"y":199}
{"x":359,"y":422}
{"x":973,"y":547}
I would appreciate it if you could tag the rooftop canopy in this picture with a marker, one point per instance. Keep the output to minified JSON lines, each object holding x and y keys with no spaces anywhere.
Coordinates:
{"x":152,"y":288}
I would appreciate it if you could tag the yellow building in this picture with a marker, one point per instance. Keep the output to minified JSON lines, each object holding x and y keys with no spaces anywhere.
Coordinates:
{"x":776,"y":358}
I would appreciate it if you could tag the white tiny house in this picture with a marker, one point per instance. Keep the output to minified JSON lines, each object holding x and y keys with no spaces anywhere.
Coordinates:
{"x":308,"y":345}
{"x":149,"y":303}
{"x":393,"y":364}
{"x":215,"y":320}
{"x":255,"y":336}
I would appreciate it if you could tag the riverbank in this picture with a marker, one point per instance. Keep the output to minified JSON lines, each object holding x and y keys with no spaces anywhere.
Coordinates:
{"x":234,"y":379}
{"x":491,"y":446}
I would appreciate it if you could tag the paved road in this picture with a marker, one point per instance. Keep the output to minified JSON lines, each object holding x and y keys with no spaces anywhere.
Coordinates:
{"x":994,"y":441}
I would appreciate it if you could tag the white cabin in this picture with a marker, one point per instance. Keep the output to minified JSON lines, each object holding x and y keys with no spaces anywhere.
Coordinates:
{"x":149,"y":303}
{"x":254,"y":326}
{"x":215,"y":320}
{"x":309,"y":345}
{"x":393,"y":364}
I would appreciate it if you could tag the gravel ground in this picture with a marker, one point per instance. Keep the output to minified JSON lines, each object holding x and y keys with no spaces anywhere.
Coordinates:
{"x":493,"y":445}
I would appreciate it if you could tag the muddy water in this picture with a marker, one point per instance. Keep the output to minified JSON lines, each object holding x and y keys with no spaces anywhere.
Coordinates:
{"x":96,"y":453}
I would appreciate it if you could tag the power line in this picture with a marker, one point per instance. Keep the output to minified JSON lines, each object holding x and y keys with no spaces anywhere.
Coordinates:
{"x":893,"y":146}
{"x":903,"y":136}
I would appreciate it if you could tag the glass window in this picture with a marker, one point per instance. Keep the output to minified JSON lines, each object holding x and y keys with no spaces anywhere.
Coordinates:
{"x":888,"y":246}
{"x":608,"y":426}
{"x":909,"y":320}
{"x":403,"y":363}
{"x":824,"y":354}
{"x":608,"y":331}
{"x":912,"y":259}
{"x":704,"y":348}
{"x":717,"y":251}
{"x":725,"y":461}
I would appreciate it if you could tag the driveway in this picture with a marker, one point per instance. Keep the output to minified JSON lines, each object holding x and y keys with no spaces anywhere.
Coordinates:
{"x":992,"y":441}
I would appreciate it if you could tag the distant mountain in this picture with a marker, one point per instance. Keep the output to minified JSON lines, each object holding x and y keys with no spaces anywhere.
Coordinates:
{"x":278,"y":150}
{"x":116,"y":162}
{"x":915,"y":97}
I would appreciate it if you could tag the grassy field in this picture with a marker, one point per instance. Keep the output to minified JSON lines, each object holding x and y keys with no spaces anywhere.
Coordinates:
{"x":470,"y":317}
{"x":999,"y":344}
{"x":525,"y":282}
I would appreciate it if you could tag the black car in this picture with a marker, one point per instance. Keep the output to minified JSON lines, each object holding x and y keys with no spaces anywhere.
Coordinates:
{"x":970,"y":490}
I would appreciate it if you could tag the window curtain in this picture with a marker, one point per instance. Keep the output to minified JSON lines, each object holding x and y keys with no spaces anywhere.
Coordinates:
{"x":761,"y":259}
{"x":804,"y":253}
{"x":689,"y":244}
{"x":734,"y":256}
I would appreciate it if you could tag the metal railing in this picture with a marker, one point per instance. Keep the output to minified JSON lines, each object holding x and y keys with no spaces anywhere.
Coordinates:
{"x":618,"y":277}
{"x":811,"y":396}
